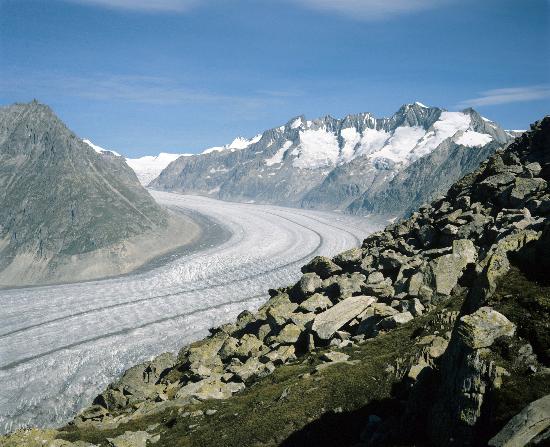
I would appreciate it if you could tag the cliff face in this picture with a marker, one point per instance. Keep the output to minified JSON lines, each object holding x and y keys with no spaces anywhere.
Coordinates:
{"x":434,"y":332}
{"x":59,"y":198}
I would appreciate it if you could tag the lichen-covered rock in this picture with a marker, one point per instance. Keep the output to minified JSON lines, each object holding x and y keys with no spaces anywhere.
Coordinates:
{"x":288,"y":335}
{"x":323,"y":266}
{"x":308,"y":284}
{"x":447,"y":269}
{"x":316,"y":303}
{"x":328,"y":322}
{"x":343,"y":286}
{"x":483,"y":327}
{"x":210,"y":388}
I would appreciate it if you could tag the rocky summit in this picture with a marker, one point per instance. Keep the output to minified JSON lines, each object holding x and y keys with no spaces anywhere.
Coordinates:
{"x":434,"y":332}
{"x":360,"y":164}
{"x":67,"y":211}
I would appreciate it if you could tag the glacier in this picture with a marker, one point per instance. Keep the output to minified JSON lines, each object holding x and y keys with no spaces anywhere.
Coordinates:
{"x":61,"y":345}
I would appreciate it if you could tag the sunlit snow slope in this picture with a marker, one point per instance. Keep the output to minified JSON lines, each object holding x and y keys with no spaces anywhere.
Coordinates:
{"x":61,"y":345}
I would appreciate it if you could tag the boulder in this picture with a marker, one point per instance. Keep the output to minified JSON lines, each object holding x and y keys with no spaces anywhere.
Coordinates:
{"x":414,"y":306}
{"x":301,"y":320}
{"x":375,"y":278}
{"x":251,"y":370}
{"x":344,"y":286}
{"x":315,"y":303}
{"x":132,"y":439}
{"x":483,"y":327}
{"x":447,"y":269}
{"x":308,"y":284}
{"x":525,"y":187}
{"x":349,"y":259}
{"x":137,"y":383}
{"x":328,"y":322}
{"x":323,"y":266}
{"x":334,"y":356}
{"x":249,"y":346}
{"x":288,"y":335}
{"x":525,"y":426}
{"x":393,"y":321}
{"x":203,"y":353}
{"x":280,"y":355}
{"x":210,"y":388}
{"x":280,"y":311}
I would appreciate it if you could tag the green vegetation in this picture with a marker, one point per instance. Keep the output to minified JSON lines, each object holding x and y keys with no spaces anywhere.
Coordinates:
{"x":296,"y":404}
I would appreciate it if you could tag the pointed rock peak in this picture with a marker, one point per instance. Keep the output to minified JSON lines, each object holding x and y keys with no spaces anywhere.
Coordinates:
{"x":296,"y":122}
{"x":416,"y":114}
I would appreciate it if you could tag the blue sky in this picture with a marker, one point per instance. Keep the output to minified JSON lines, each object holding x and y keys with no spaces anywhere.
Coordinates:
{"x":144,"y":76}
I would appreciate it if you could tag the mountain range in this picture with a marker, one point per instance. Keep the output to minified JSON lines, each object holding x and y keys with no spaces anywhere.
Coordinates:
{"x":359,"y":164}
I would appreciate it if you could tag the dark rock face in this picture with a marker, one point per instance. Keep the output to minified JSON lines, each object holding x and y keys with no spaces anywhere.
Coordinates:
{"x":58,"y":197}
{"x":360,"y":164}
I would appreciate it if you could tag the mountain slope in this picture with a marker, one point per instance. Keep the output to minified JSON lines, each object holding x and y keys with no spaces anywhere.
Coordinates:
{"x":61,"y":202}
{"x":330,"y":163}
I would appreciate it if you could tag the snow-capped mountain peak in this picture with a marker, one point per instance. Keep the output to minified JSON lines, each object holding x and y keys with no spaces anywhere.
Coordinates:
{"x":286,"y":164}
{"x":238,"y":143}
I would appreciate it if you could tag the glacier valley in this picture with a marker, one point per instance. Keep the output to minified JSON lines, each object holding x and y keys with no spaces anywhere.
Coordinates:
{"x":61,"y":345}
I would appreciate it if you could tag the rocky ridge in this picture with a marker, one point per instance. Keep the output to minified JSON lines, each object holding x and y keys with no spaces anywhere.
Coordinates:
{"x":433,"y":285}
{"x":360,"y":163}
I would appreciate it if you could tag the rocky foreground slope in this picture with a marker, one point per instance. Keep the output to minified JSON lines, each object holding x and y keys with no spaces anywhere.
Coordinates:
{"x":68,"y":212}
{"x":361,"y":164}
{"x":435,"y":332}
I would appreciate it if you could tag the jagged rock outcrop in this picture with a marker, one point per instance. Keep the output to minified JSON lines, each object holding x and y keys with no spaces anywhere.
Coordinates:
{"x":360,"y":163}
{"x":66,"y":211}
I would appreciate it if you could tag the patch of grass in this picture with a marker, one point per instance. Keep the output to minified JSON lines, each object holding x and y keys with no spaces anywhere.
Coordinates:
{"x":527,"y":304}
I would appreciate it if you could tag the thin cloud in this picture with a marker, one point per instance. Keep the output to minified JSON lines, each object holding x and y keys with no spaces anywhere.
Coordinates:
{"x":177,"y":6}
{"x":508,"y":95}
{"x":135,"y":89}
{"x":372,"y":9}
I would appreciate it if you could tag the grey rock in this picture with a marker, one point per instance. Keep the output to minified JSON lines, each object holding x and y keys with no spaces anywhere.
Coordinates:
{"x":328,"y":322}
{"x":323,"y":266}
{"x":316,"y":303}
{"x":483,"y":327}
{"x":334,"y":356}
{"x":393,"y":321}
{"x":533,"y":420}
{"x":309,"y":283}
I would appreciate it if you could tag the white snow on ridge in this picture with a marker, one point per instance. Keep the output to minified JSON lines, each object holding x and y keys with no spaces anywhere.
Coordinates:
{"x":277,"y":158}
{"x":351,"y":139}
{"x":317,"y":149}
{"x":99,"y":149}
{"x":296,"y":123}
{"x":400,"y":144}
{"x":149,"y":167}
{"x":449,"y":124}
{"x":471,"y":138}
{"x":238,"y":143}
